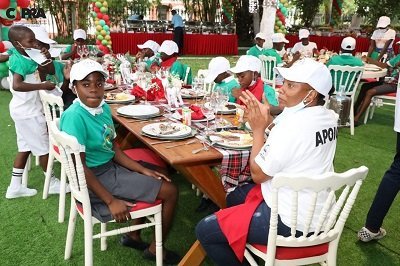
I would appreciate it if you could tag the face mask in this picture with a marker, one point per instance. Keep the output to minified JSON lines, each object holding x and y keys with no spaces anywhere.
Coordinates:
{"x":92,"y":110}
{"x":253,"y":81}
{"x":37,"y":56}
{"x":291,"y":110}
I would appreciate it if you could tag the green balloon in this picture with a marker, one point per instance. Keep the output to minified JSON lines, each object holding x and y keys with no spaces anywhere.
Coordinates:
{"x":104,"y":42}
{"x":4,"y":33}
{"x":94,"y":14}
{"x":3,"y":68}
{"x":279,"y":23}
{"x":99,"y":4}
{"x":103,"y":9}
{"x":100,"y":37}
{"x":106,"y":28}
{"x":102,"y":22}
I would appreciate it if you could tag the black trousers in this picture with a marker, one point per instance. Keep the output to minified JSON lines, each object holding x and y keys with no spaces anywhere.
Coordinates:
{"x":178,"y":38}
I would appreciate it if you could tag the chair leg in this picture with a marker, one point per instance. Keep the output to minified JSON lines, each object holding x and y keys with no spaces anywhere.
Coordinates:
{"x":71,"y":230}
{"x":50,"y":164}
{"x":367,"y":114}
{"x":37,"y":160}
{"x":103,"y":240}
{"x":25,"y":173}
{"x":352,"y":119}
{"x":61,"y":200}
{"x":29,"y":162}
{"x":158,"y":234}
{"x":87,"y":221}
{"x":372,"y":109}
{"x":250,"y":258}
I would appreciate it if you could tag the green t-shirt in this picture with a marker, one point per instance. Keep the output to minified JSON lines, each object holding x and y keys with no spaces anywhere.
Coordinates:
{"x":274,"y":53}
{"x":58,"y":76}
{"x":393,"y":62}
{"x":270,"y":95}
{"x":179,"y":69}
{"x":255,"y":51}
{"x":21,"y":64}
{"x":344,"y":60}
{"x":226,"y":86}
{"x":96,"y":133}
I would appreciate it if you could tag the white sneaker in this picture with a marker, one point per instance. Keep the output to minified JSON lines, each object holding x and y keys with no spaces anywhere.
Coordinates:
{"x":54,"y":187}
{"x":22,"y":191}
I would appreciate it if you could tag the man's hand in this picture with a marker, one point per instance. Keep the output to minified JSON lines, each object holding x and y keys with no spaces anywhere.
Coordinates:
{"x":120,"y":210}
{"x":155,"y":174}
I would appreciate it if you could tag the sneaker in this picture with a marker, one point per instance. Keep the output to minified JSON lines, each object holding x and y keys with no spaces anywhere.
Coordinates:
{"x":365,"y":235}
{"x":21,"y":191}
{"x":54,"y":187}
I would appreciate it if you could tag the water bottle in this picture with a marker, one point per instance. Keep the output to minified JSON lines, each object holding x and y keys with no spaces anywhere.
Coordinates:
{"x":341,"y":104}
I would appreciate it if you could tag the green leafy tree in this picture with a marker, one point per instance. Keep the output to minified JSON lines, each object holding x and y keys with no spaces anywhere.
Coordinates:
{"x":373,"y":9}
{"x":308,"y":9}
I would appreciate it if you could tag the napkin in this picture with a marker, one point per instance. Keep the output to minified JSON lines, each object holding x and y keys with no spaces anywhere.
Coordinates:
{"x":197,"y":114}
{"x":156,"y":92}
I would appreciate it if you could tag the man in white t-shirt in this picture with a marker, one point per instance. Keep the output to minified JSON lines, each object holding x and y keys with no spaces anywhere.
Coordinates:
{"x":302,"y":141}
{"x":382,"y":40}
{"x":387,"y":191}
{"x":305,"y":47}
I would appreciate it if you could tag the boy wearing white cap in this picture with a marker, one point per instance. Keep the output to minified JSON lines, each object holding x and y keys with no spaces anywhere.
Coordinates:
{"x":80,"y":39}
{"x":382,"y":40}
{"x":148,"y":52}
{"x":346,"y":57}
{"x":278,"y":43}
{"x":218,"y":72}
{"x":257,"y":49}
{"x":169,"y":56}
{"x":112,"y":177}
{"x":305,"y":47}
{"x":302,"y":141}
{"x":247,"y":70}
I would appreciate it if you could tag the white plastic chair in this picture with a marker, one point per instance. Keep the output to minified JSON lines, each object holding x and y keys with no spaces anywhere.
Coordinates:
{"x":318,"y":246}
{"x":349,"y":81}
{"x":268,"y":74}
{"x":80,"y":203}
{"x":53,"y":107}
{"x":185,"y":80}
{"x":207,"y":87}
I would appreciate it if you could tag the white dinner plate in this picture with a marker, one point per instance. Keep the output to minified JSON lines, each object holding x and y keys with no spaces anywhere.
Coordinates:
{"x":167,"y":130}
{"x":245,"y":142}
{"x":138,"y":110}
{"x":190,"y":93}
{"x":225,"y":110}
{"x":109,"y":86}
{"x":128,"y":98}
{"x":178,"y":116}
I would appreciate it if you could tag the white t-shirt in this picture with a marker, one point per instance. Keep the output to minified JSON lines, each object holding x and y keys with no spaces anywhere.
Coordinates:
{"x":27,"y":104}
{"x":397,"y":111}
{"x":304,"y":49}
{"x":382,"y":37}
{"x":304,"y":142}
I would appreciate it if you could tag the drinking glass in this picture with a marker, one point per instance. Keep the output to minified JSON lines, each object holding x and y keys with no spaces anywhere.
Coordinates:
{"x":79,"y":51}
{"x":208,"y":110}
{"x":85,"y":51}
{"x":142,"y":82}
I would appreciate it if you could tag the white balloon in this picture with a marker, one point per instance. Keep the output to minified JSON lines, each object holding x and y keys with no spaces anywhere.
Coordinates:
{"x":7,"y":45}
{"x":5,"y":84}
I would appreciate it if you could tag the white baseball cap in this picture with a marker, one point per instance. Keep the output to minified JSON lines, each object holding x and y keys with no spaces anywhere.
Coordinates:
{"x":247,"y":63}
{"x":260,"y":35}
{"x":279,"y":37}
{"x":348,"y":43}
{"x":216,"y":66}
{"x":303,"y":33}
{"x":40,"y":33}
{"x":79,"y":34}
{"x":151,"y":45}
{"x":83,"y":68}
{"x":383,"y":22}
{"x":311,"y":72}
{"x":169,"y":47}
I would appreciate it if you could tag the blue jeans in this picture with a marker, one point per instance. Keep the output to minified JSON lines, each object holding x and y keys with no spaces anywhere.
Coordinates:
{"x":214,"y":241}
{"x":387,"y":191}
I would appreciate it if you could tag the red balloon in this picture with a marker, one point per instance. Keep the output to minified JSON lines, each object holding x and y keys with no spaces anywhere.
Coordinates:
{"x":98,"y":42}
{"x":6,"y":22}
{"x":23,"y":3}
{"x":4,"y":4}
{"x":106,"y":17}
{"x":99,"y":15}
{"x":2,"y":47}
{"x":96,"y":9}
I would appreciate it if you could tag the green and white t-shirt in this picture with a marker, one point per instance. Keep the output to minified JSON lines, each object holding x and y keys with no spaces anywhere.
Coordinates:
{"x":227,"y":85}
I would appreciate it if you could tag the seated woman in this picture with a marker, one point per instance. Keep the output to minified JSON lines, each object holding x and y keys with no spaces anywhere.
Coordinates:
{"x":169,"y":60}
{"x":290,"y":148}
{"x":371,"y":89}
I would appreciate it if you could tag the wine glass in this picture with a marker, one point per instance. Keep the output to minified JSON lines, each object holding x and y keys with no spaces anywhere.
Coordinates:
{"x":222,"y":100}
{"x":142,"y":82}
{"x":79,"y":51}
{"x":85,"y":51}
{"x":207,"y":109}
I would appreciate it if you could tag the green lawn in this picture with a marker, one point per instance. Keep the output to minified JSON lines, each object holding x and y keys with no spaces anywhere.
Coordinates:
{"x":31,"y":235}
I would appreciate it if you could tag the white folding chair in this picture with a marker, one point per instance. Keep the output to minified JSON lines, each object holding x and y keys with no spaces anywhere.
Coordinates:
{"x":312,"y":247}
{"x":349,"y":77}
{"x":80,"y":203}
{"x":380,"y":100}
{"x":185,"y":80}
{"x":53,"y":107}
{"x":207,"y":87}
{"x":268,"y":74}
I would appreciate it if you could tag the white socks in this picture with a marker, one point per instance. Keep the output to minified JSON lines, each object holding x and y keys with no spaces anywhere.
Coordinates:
{"x":16,"y":178}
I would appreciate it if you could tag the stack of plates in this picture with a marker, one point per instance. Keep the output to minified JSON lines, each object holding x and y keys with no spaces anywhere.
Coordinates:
{"x":229,"y":108}
{"x":166,"y":130}
{"x":126,"y":99}
{"x":371,"y":67}
{"x":191,"y":94}
{"x":232,"y":140}
{"x":141,"y":111}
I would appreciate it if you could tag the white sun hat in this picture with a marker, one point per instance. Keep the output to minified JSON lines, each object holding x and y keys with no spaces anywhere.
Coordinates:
{"x":383,"y":22}
{"x":348,"y":43}
{"x":216,"y":66}
{"x":311,"y":72}
{"x":247,"y":63}
{"x":79,"y":34}
{"x":169,"y":47}
{"x":260,"y":35}
{"x":83,"y":68}
{"x":303,"y":33}
{"x":151,"y":45}
{"x":279,"y":37}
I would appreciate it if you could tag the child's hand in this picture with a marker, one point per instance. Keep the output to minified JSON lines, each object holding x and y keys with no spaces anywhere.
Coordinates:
{"x":236,"y":93}
{"x":47,"y":85}
{"x":155,"y":174}
{"x":45,"y":52}
{"x":119,"y":210}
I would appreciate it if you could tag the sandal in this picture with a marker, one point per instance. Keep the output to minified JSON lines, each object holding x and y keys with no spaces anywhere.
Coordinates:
{"x":127,"y":241}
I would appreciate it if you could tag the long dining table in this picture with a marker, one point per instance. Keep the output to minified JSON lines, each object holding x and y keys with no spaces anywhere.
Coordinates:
{"x":196,"y":168}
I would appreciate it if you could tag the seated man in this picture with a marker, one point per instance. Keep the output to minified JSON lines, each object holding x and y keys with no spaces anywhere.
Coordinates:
{"x":292,"y":147}
{"x":257,"y":49}
{"x":305,"y":47}
{"x":218,"y":72}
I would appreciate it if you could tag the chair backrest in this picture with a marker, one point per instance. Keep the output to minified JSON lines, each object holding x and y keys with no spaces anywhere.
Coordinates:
{"x":53,"y":106}
{"x":70,"y":150}
{"x":347,"y":76}
{"x":268,"y":74}
{"x":332,"y":217}
{"x":188,"y":75}
{"x":202,"y":72}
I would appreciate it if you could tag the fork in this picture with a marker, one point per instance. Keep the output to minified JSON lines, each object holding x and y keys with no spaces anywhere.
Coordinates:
{"x":181,"y":144}
{"x":204,"y":148}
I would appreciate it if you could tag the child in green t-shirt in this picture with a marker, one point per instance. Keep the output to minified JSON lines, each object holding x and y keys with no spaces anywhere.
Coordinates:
{"x":26,"y":111}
